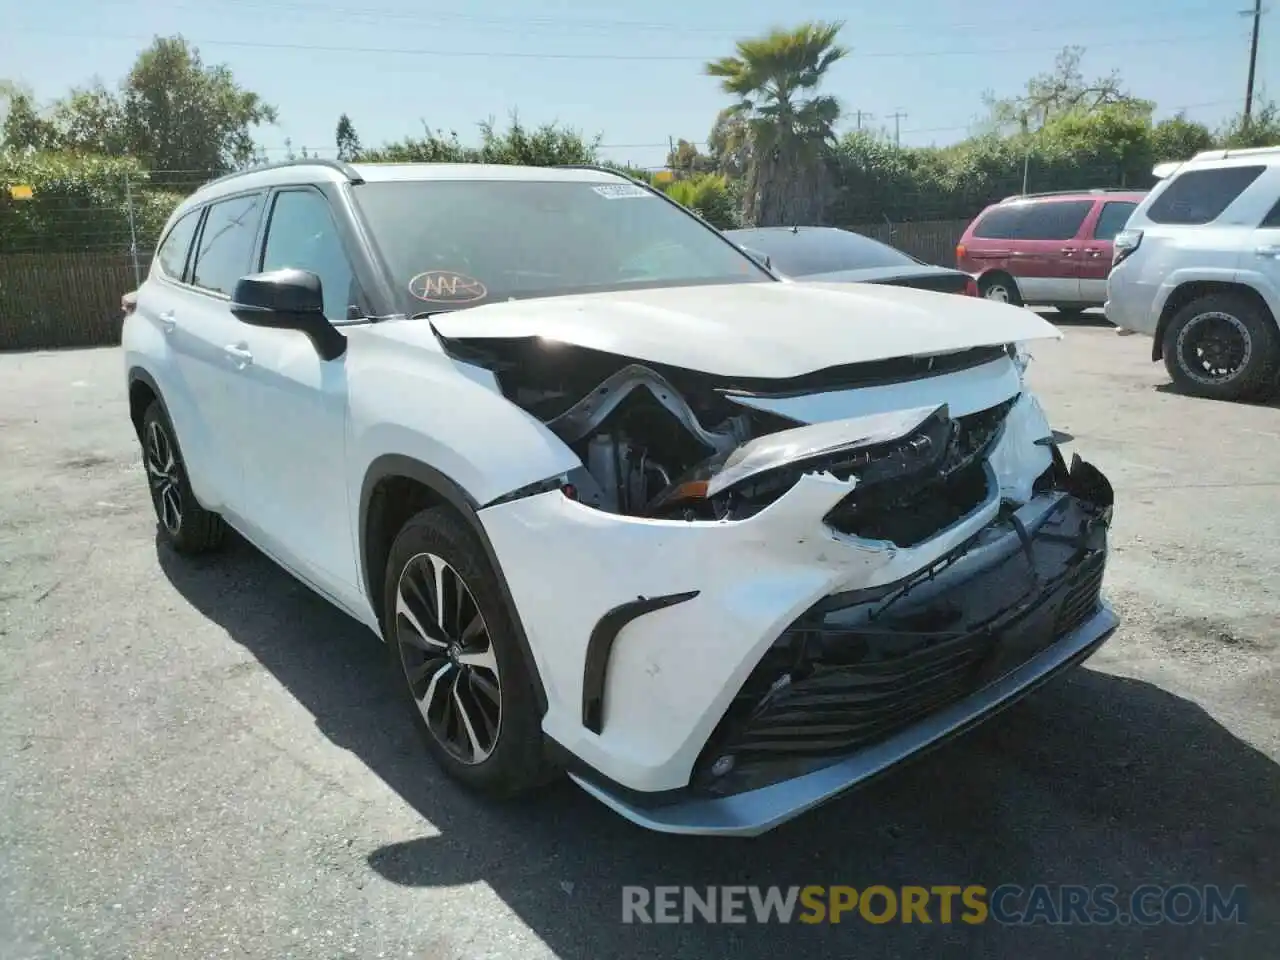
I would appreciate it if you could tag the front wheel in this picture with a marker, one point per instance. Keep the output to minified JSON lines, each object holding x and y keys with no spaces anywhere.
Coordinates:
{"x":1223,"y":347}
{"x":455,"y":656}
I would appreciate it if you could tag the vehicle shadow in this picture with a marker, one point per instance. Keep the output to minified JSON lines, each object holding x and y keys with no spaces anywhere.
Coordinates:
{"x":1273,"y":401}
{"x":1097,"y":779}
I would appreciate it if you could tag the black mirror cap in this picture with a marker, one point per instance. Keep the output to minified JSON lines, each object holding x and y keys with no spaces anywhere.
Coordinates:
{"x":287,"y":291}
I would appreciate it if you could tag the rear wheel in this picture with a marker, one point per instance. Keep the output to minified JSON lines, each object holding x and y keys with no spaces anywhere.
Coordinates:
{"x":1223,"y":347}
{"x":1001,"y":288}
{"x":187,"y":526}
{"x":455,"y":656}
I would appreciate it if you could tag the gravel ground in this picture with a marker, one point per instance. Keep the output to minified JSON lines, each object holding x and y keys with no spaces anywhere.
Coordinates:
{"x":200,"y":759}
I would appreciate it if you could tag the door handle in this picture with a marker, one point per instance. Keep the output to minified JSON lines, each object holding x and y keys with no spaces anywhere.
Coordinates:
{"x":1068,"y":251}
{"x":168,"y":321}
{"x":1269,"y":251}
{"x":238,"y":354}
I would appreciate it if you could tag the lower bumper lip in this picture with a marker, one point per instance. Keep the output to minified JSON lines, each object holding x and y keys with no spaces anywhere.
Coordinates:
{"x":755,"y":812}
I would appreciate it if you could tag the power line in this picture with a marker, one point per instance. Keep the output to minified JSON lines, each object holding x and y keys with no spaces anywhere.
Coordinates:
{"x":527,"y":55}
{"x":541,"y":20}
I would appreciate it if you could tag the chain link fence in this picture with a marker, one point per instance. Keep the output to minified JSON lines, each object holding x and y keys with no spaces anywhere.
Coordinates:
{"x":72,"y":249}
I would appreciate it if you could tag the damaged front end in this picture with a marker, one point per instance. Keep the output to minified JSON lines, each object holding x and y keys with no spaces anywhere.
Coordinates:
{"x":862,"y":665}
{"x":772,"y":603}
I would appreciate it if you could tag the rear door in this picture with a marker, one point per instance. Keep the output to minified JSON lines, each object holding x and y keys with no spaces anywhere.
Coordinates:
{"x":1263,"y":255}
{"x":207,"y":330}
{"x":989,"y":245}
{"x":1048,"y":251}
{"x":1100,"y":230}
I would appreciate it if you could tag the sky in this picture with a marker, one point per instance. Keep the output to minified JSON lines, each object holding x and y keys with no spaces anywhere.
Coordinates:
{"x":633,"y":72}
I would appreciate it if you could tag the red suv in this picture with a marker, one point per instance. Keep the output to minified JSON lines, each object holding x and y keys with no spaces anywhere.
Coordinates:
{"x":1047,"y":249}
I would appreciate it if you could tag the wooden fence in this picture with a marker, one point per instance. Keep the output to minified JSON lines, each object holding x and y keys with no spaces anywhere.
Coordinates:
{"x":51,"y":300}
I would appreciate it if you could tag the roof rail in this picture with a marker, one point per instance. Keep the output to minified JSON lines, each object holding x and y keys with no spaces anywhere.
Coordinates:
{"x":1067,"y":193}
{"x":1242,"y":152}
{"x":341,"y":166}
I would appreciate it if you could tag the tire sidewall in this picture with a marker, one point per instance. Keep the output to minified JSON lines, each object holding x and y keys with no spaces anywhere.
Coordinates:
{"x":514,"y":765}
{"x":1249,"y":380}
{"x":155,"y":414}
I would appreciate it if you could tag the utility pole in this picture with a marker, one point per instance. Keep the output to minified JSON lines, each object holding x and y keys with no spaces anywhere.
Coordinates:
{"x":1256,"y":13}
{"x":897,"y":132}
{"x":863,"y":113}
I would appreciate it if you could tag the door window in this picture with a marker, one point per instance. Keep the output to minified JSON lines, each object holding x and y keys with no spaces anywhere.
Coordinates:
{"x":171,"y":257}
{"x":301,"y":234}
{"x":1059,"y":220}
{"x":1112,"y":219}
{"x":1201,"y":196}
{"x":226,"y":244}
{"x":1272,"y":219}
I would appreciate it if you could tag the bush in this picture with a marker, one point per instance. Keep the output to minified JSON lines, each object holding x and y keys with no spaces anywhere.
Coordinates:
{"x":707,"y":195}
{"x":78,"y":203}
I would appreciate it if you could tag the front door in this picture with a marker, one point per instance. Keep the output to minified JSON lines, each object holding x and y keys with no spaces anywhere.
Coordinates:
{"x":1100,"y":231}
{"x":294,"y":407}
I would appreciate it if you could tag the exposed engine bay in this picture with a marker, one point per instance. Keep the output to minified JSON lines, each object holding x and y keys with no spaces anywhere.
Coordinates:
{"x":674,"y":444}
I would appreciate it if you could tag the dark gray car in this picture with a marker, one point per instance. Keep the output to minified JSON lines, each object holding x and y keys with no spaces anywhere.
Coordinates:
{"x":831,"y":254}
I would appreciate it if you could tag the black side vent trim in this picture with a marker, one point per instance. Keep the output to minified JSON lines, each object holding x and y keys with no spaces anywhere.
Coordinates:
{"x":600,"y":646}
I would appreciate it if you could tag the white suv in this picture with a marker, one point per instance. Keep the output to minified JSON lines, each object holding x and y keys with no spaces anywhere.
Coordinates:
{"x":1197,"y":268}
{"x":620,"y":501}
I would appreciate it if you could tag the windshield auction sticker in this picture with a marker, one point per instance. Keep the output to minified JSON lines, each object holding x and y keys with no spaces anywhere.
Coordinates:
{"x":445,"y":286}
{"x":621,"y":191}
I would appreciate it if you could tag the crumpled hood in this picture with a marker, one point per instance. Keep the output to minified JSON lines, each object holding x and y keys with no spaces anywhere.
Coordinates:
{"x":765,"y":330}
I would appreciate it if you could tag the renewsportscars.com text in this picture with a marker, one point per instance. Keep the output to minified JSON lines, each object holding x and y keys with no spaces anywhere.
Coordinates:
{"x":1007,"y":904}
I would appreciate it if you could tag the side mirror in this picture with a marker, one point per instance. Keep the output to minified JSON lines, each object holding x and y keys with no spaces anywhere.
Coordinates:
{"x":759,"y":257}
{"x":288,"y":299}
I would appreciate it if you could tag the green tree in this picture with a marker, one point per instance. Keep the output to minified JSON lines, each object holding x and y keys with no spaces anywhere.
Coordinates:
{"x":773,"y":78}
{"x":186,"y":118}
{"x":24,"y":128}
{"x":347,"y":139}
{"x":1060,"y":91}
{"x":90,"y":120}
{"x":687,"y":160}
{"x":729,"y":144}
{"x":1178,"y":138}
{"x":1262,"y":129}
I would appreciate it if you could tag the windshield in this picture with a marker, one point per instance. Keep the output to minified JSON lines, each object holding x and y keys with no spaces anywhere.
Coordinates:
{"x":460,"y":243}
{"x":808,"y":252}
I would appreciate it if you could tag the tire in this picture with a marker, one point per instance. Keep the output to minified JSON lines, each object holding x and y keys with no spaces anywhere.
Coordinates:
{"x":1245,"y":328}
{"x":1000,"y":287}
{"x":484,"y":670}
{"x":184,"y":524}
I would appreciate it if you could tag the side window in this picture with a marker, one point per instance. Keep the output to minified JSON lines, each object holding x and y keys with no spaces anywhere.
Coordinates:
{"x":1057,"y":220}
{"x":226,"y":244}
{"x":1200,"y":196}
{"x":1000,"y":224}
{"x":1272,"y":219}
{"x":171,"y":257}
{"x":1112,"y":219}
{"x":301,"y":234}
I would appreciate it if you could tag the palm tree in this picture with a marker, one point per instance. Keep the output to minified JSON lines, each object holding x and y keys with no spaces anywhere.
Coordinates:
{"x":773,"y":78}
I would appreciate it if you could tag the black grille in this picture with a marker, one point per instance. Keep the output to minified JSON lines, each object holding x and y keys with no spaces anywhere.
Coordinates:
{"x":1082,"y":596}
{"x":836,"y":709}
{"x":908,"y":510}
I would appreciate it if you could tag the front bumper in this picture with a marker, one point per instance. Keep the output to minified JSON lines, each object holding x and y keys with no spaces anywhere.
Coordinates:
{"x":757,"y":811}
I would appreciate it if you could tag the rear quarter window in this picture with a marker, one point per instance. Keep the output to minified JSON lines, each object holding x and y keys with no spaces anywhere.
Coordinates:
{"x":998,"y":224}
{"x":1201,"y":196}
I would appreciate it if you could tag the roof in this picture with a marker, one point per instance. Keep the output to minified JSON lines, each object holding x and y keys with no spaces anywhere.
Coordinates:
{"x":316,"y":170}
